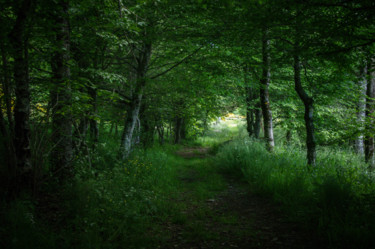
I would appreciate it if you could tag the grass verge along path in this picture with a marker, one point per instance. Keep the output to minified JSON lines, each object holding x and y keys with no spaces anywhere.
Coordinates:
{"x":212,"y":210}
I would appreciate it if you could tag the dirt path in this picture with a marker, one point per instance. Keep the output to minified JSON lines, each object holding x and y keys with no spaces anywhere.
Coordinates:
{"x":229,"y":216}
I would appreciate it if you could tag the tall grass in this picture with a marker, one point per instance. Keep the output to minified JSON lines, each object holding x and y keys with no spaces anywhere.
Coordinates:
{"x":336,"y":197}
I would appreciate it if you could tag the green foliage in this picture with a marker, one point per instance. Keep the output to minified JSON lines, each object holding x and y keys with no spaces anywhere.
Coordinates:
{"x":203,"y":49}
{"x":117,"y":205}
{"x":21,"y":228}
{"x":329,"y":197}
{"x":107,"y":205}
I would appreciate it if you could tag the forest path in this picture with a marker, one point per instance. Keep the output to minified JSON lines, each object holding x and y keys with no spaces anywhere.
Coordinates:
{"x":218,"y":211}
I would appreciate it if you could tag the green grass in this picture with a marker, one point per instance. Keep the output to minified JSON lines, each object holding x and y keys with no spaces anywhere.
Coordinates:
{"x":108,"y":204}
{"x":335,"y":198}
{"x":111,"y":203}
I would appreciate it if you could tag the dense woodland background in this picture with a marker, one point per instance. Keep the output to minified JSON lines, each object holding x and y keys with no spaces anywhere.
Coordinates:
{"x":96,"y":96}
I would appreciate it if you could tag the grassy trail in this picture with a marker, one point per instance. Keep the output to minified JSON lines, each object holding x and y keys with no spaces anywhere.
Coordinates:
{"x":212,"y":210}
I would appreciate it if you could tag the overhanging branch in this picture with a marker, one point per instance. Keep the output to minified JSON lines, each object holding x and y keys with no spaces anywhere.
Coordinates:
{"x":177,"y":64}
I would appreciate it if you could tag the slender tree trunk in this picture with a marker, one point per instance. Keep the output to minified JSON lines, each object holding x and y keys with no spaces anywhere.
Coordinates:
{"x":111,"y":129}
{"x":116,"y":130}
{"x":94,"y":130}
{"x":264,"y":93}
{"x":249,"y":105}
{"x":370,"y":92}
{"x":18,"y":39}
{"x":61,"y":96}
{"x":183,"y":128}
{"x":178,"y":130}
{"x":6,"y":89}
{"x":205,"y":122}
{"x":7,"y":128}
{"x":309,"y":112}
{"x":136,"y":101}
{"x":361,"y":108}
{"x":253,"y":112}
{"x":249,"y":112}
{"x":170,"y":136}
{"x":3,"y":129}
{"x":160,"y":130}
{"x":258,"y":120}
{"x":146,"y":131}
{"x":80,"y":134}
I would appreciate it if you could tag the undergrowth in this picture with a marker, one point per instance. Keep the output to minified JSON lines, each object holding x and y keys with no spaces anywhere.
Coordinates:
{"x":109,"y":203}
{"x":336,"y":197}
{"x":120,"y":204}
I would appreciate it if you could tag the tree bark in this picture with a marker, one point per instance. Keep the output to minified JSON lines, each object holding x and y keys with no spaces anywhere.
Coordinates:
{"x":7,"y":89}
{"x":94,"y":130}
{"x":309,"y":112}
{"x":7,"y":128}
{"x":361,"y":107}
{"x":370,"y":95}
{"x":160,"y":129}
{"x":178,"y":130}
{"x":249,"y":105}
{"x":147,"y":127}
{"x":249,"y":112}
{"x":19,"y":40}
{"x":111,"y":129}
{"x":3,"y":129}
{"x":253,"y":112}
{"x":264,"y":92}
{"x":258,"y":120}
{"x":136,"y":101}
{"x":62,"y":153}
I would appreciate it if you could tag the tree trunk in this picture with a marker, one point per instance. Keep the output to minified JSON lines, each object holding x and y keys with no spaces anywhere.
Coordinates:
{"x":309,"y":111}
{"x":94,"y":130}
{"x":111,"y":129}
{"x":361,"y":108}
{"x":6,"y":89}
{"x":3,"y":129}
{"x":264,"y":93}
{"x":80,"y":134}
{"x":136,"y":101}
{"x":370,"y":92}
{"x":178,"y":130}
{"x":7,"y":128}
{"x":19,"y":41}
{"x":169,"y":131}
{"x":147,"y":127}
{"x":130,"y":123}
{"x":205,"y":122}
{"x":61,"y":96}
{"x":249,"y":105}
{"x":249,"y":111}
{"x":258,"y":120}
{"x":160,"y":130}
{"x":253,"y":112}
{"x":183,"y":129}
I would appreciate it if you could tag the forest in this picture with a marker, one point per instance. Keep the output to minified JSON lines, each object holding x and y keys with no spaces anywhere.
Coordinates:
{"x":187,"y":124}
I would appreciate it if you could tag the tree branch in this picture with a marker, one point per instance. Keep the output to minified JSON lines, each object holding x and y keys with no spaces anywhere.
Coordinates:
{"x":177,"y":64}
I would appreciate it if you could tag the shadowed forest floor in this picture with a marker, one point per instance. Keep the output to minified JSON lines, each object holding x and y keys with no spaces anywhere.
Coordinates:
{"x":220,"y":211}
